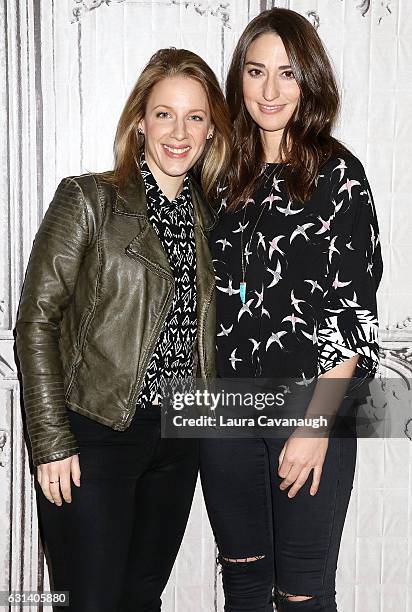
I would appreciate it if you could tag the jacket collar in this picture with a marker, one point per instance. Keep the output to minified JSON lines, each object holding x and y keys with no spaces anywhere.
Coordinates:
{"x":131,"y":200}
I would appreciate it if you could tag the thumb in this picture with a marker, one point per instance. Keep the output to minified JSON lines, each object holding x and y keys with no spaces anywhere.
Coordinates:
{"x":75,"y":470}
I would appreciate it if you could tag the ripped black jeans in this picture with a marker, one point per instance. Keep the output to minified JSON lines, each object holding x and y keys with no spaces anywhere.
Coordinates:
{"x":291,"y":544}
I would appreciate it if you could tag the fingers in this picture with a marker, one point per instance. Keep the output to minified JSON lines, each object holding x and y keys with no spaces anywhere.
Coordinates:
{"x":75,"y":469}
{"x":317,"y":472}
{"x":300,"y":481}
{"x":54,"y":479}
{"x":290,"y":478}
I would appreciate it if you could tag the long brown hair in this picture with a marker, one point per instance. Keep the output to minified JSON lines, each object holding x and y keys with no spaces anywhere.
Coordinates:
{"x":129,"y":143}
{"x":306,"y":140}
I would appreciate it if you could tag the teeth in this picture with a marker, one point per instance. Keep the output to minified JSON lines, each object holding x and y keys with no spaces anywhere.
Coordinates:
{"x":176,"y":151}
{"x":270,"y":107}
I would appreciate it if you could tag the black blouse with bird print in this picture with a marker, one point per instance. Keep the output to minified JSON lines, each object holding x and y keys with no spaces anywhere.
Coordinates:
{"x":311,"y":273}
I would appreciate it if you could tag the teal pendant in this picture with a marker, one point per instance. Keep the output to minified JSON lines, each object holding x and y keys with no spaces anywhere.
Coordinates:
{"x":242,"y":292}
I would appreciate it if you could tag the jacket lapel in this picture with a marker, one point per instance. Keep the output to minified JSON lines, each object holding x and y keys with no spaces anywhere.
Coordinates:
{"x":146,"y":245}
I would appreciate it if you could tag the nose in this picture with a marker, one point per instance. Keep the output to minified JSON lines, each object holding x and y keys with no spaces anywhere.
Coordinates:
{"x":179,"y":130}
{"x":270,"y":89}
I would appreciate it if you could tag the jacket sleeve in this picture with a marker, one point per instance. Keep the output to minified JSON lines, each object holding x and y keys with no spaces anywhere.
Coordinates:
{"x":51,"y":275}
{"x":350,"y":317}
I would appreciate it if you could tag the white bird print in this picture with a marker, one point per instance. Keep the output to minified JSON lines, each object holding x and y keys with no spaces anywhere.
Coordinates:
{"x":369,"y":268}
{"x":224,"y":242}
{"x":233,"y":358}
{"x":347,"y":186}
{"x":276,"y":182}
{"x":287,"y":209}
{"x":261,"y":241}
{"x":349,"y":246}
{"x":285,"y":388}
{"x":229,"y":289}
{"x":301,"y":231}
{"x":332,"y":248}
{"x":265,"y":312}
{"x":325,"y":225}
{"x":241,"y":228}
{"x":256,"y":345}
{"x":276,"y":275}
{"x":313,"y":336}
{"x":342,"y":167}
{"x":305,"y":381}
{"x":273,"y":246}
{"x":245,"y":308}
{"x":353,"y":303}
{"x":314,"y":283}
{"x":271,"y":198}
{"x":225,"y":331}
{"x":295,"y":302}
{"x":337,"y":283}
{"x":247,"y":253}
{"x":337,"y":207}
{"x":317,"y":179}
{"x":293,"y":320}
{"x":275,"y":337}
{"x":259,"y":296}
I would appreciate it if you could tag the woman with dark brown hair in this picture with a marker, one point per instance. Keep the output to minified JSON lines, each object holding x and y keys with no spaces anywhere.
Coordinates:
{"x":298,"y":263}
{"x":118,"y":295}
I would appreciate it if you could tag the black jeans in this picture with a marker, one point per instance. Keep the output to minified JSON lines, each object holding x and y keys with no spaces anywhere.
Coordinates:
{"x":113,"y":547}
{"x":297,"y":538}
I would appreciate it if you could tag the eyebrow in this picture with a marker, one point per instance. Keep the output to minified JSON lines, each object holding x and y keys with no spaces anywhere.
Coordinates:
{"x":193,"y":110}
{"x":286,"y":66}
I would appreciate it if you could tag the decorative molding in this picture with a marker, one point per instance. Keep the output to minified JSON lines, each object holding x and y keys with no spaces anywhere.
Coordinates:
{"x":364,"y":7}
{"x":3,"y":440}
{"x":84,"y":6}
{"x":208,"y":7}
{"x":385,"y":6}
{"x":215,"y":8}
{"x":314,"y":18}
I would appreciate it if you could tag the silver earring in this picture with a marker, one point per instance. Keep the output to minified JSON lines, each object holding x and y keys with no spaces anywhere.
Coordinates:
{"x":210,"y":137}
{"x":140,"y":131}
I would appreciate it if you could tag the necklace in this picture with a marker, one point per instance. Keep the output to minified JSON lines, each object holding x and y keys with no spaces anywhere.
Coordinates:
{"x":242,"y":285}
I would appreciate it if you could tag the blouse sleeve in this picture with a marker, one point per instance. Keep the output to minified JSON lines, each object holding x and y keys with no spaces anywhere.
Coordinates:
{"x":349,"y":321}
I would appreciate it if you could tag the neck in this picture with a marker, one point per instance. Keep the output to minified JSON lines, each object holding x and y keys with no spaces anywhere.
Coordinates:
{"x":271,"y":144}
{"x":171,"y":186}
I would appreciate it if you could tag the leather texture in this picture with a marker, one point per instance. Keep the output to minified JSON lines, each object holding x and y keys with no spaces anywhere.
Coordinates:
{"x":97,"y":290}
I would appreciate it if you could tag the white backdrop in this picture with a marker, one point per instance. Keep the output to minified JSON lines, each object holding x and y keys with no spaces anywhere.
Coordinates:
{"x":66,"y":68}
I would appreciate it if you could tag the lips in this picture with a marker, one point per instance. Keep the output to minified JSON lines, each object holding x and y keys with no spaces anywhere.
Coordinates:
{"x":271,"y":109}
{"x":176,"y":152}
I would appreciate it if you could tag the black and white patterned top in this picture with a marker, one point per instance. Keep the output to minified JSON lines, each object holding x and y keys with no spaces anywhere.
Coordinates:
{"x":174,"y":224}
{"x":312,"y":272}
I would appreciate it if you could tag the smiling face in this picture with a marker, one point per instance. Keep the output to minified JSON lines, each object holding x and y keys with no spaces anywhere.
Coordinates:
{"x":270,"y":91}
{"x":176,"y":125}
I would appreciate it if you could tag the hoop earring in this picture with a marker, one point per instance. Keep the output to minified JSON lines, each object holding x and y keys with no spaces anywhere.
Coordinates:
{"x":140,"y":131}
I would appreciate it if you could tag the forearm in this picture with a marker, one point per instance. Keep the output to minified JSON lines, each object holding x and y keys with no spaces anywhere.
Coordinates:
{"x":328,"y":394}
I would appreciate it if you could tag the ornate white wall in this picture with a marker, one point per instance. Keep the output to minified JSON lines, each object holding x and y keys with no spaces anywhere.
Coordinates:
{"x":66,"y":67}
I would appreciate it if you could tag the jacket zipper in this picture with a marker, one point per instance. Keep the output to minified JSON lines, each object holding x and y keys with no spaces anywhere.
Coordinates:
{"x":156,"y":332}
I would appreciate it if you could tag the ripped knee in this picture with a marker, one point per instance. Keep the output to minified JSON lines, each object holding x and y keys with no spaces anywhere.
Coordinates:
{"x":241,"y":564}
{"x":246,"y":560}
{"x":283,"y":596}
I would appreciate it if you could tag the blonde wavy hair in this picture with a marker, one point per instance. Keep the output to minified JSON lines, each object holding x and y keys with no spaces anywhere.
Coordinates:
{"x":210,"y":168}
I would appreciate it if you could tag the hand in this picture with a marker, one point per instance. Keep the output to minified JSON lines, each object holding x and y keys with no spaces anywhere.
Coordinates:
{"x":55,"y":477}
{"x":296,"y":460}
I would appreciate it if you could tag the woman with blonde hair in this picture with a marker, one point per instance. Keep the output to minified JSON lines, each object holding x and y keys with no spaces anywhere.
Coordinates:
{"x":119,"y":294}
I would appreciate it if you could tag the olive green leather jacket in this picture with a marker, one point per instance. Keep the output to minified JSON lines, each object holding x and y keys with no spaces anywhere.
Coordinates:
{"x":97,"y":290}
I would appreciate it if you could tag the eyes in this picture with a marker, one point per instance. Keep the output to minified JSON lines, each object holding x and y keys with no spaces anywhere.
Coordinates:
{"x":165,"y":115}
{"x":255,"y":73}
